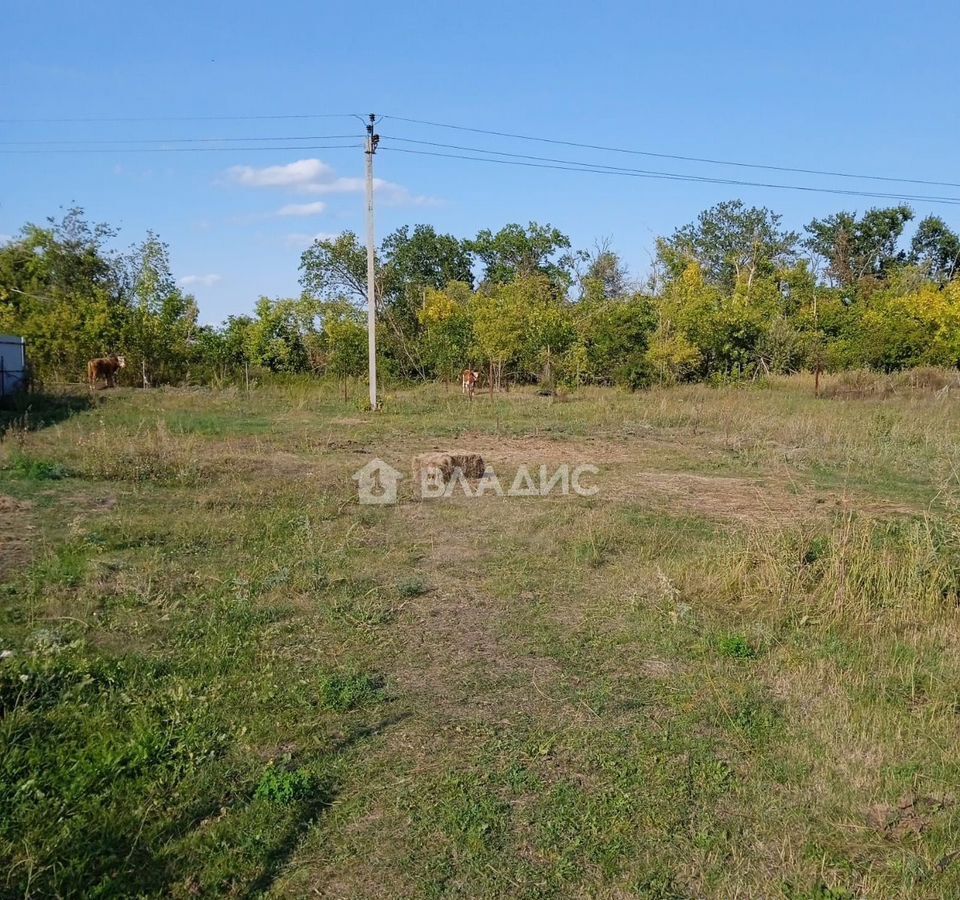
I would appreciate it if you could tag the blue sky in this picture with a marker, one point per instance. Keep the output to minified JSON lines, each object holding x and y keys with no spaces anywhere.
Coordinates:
{"x":859,"y":87}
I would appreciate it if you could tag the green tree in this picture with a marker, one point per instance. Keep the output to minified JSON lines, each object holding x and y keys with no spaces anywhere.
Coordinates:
{"x":782,"y":347}
{"x":424,"y":259}
{"x":671,"y":356}
{"x":447,"y":329}
{"x":277,"y":338}
{"x":161,"y":319}
{"x":602,"y":274}
{"x":517,"y":252}
{"x":59,"y":288}
{"x":336,"y":269}
{"x":615,"y":338}
{"x":920,"y":326}
{"x":520,"y":326}
{"x":936,"y":248}
{"x":859,"y":248}
{"x":688,"y":308}
{"x":731,"y":243}
{"x":412,"y":264}
{"x":235,"y":341}
{"x":499,"y":320}
{"x":346,"y":340}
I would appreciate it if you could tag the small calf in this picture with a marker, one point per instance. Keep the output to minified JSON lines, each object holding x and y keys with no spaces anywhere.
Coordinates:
{"x":105,"y":367}
{"x":469,"y":379}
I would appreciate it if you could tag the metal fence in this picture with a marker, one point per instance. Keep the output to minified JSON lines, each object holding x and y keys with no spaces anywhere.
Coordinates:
{"x":13,"y":365}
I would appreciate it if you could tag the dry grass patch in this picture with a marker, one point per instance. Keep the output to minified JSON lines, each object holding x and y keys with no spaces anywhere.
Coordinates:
{"x":701,"y":682}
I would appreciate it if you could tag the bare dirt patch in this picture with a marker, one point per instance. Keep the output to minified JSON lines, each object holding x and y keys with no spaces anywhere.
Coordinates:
{"x":723,"y":497}
{"x":712,"y":496}
{"x":92,"y":504}
{"x":455,"y":655}
{"x":623,"y":476}
{"x":537,"y":450}
{"x":659,"y":669}
{"x":626,"y":475}
{"x":11,"y":505}
{"x":912,"y":815}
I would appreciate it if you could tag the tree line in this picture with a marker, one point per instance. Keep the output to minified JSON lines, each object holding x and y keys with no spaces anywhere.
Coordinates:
{"x":732,"y":295}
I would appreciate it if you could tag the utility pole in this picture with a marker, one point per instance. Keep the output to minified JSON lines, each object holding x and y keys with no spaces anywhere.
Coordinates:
{"x":371,"y":148}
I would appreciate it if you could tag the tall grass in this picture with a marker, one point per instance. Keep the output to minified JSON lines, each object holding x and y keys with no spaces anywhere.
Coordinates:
{"x":150,"y":453}
{"x":861,"y":571}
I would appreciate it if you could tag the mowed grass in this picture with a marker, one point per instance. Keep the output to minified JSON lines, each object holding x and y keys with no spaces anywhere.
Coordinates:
{"x":734,"y":671}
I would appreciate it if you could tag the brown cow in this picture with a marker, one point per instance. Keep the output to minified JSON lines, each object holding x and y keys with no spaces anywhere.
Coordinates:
{"x":468,"y":381}
{"x":105,"y":367}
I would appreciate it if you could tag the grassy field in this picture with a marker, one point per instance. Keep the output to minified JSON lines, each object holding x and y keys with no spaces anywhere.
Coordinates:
{"x":734,"y":672}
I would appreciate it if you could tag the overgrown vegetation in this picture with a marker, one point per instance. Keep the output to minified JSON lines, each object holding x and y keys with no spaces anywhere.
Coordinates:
{"x":734,"y":295}
{"x":732,"y":672}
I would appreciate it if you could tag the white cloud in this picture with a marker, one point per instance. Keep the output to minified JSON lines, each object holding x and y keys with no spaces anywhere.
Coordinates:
{"x":202,"y":280}
{"x":340,"y":185}
{"x":394,"y":194}
{"x":299,"y":175}
{"x":6,"y":238}
{"x":302,"y":209}
{"x":398,"y":195}
{"x":299,"y":240}
{"x":313,"y":176}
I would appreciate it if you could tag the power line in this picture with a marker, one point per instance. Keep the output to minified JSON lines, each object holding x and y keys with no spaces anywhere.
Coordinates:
{"x":652,"y":172}
{"x":670,"y":176}
{"x":180,"y":119}
{"x":108,"y":145}
{"x":699,"y":159}
{"x":200,"y":140}
{"x":178,"y":149}
{"x":432,"y":124}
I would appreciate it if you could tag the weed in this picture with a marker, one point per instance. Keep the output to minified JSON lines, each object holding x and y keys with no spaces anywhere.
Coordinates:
{"x":148,"y":454}
{"x":735,"y":646}
{"x":756,"y":718}
{"x":343,"y":692}
{"x":34,"y":469}
{"x":411,"y":587}
{"x":284,"y":788}
{"x":471,"y":813}
{"x":60,"y":567}
{"x":816,"y":549}
{"x":819,"y":891}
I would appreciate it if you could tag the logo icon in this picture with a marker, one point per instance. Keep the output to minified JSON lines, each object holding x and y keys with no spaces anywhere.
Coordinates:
{"x":377,"y":483}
